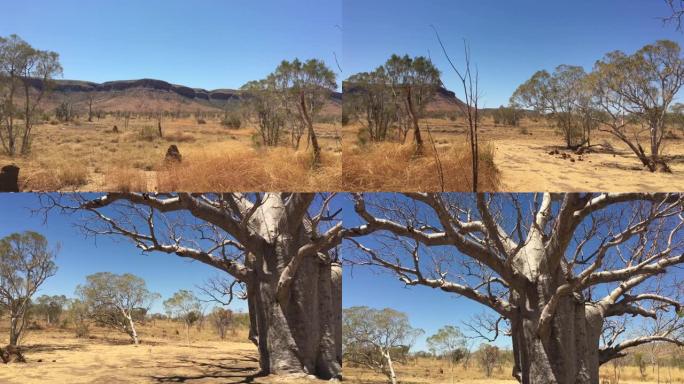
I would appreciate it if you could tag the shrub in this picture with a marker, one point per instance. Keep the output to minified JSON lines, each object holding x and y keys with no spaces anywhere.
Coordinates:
{"x":232,"y":122}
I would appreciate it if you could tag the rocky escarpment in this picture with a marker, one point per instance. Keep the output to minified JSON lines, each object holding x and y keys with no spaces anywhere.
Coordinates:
{"x":74,"y":86}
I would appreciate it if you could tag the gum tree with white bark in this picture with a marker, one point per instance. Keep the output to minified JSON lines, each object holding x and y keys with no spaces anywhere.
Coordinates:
{"x":26,"y":261}
{"x":115,"y":300}
{"x":558,"y":269}
{"x":377,"y":338}
{"x":280,"y":246}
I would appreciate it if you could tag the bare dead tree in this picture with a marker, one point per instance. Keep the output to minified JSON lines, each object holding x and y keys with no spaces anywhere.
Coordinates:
{"x":470,"y":107}
{"x":555,"y":268}
{"x":276,"y":244}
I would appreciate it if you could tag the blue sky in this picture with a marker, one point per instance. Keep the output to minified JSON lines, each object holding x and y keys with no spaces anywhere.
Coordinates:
{"x":205,"y":43}
{"x":428,"y":309}
{"x":509,"y":40}
{"x":80,"y":256}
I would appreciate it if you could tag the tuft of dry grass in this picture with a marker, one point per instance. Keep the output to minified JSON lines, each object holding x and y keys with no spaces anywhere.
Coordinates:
{"x":120,"y":179}
{"x":230,"y":167}
{"x":61,"y":175}
{"x":395,"y":167}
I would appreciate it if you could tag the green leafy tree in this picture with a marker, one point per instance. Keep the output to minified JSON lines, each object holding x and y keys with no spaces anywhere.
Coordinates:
{"x":116,"y":300}
{"x":305,"y":87}
{"x":559,"y":96}
{"x":368,"y":97}
{"x":26,"y":74}
{"x":639,"y":88}
{"x":26,"y":261}
{"x":376,"y":338}
{"x":184,"y":306}
{"x":49,"y":308}
{"x":415,"y":82}
{"x":449,"y":342}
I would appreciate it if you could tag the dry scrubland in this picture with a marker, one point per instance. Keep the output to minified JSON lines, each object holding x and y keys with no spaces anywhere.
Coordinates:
{"x":90,"y":157}
{"x":513,"y":159}
{"x":162,"y":357}
{"x":427,"y":371}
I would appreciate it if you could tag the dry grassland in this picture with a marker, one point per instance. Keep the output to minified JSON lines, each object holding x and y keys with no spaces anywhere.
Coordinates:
{"x":90,"y":157}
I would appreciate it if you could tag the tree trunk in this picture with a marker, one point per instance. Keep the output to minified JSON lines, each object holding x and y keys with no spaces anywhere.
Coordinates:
{"x":312,"y":132}
{"x":391,"y":375}
{"x":133,"y":333}
{"x":301,"y":334}
{"x":567,"y":352}
{"x":414,"y":121}
{"x":14,"y":334}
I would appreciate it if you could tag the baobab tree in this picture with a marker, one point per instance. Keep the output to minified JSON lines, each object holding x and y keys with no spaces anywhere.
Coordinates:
{"x":279,"y":245}
{"x":639,"y":88}
{"x":27,"y":71}
{"x":26,"y":261}
{"x":557,"y":268}
{"x":414,"y":82}
{"x":114,"y":300}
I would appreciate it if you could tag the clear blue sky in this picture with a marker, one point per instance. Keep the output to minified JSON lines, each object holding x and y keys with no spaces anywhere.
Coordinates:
{"x":205,"y":43}
{"x":80,"y":256}
{"x":509,"y":40}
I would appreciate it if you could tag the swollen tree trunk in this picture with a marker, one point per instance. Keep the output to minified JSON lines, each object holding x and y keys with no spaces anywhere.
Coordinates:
{"x":566,"y":350}
{"x":299,"y":333}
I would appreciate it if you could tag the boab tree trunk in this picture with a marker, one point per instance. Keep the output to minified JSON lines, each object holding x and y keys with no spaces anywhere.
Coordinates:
{"x":542,"y":269}
{"x":269,"y":242}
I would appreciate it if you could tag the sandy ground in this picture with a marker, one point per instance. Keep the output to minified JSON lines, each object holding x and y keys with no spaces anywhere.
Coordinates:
{"x":430,"y":371}
{"x":522,"y":156}
{"x":56,"y":356}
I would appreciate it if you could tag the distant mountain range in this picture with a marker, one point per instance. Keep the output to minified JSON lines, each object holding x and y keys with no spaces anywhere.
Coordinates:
{"x":150,"y":95}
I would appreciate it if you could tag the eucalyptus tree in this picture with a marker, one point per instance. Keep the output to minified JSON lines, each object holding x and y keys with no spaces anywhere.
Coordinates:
{"x":414,"y":82}
{"x":305,"y":88}
{"x":113,"y":300}
{"x":25,"y":73}
{"x":266,"y":108}
{"x":639,"y":88}
{"x":368,"y":96}
{"x":375,"y":338}
{"x":559,"y":95}
{"x":280,"y":246}
{"x":556,"y":271}
{"x":26,"y":261}
{"x":184,"y":306}
{"x":50,"y":307}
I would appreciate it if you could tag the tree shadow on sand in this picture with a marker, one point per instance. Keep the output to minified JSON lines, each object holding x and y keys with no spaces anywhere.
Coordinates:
{"x":243,"y":369}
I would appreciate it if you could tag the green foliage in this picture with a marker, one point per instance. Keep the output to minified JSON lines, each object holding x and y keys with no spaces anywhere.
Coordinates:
{"x":448,"y":342}
{"x":110,"y":299}
{"x":369,"y":333}
{"x":232,"y":121}
{"x":183,"y":305}
{"x":562,"y":95}
{"x":489,"y":357}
